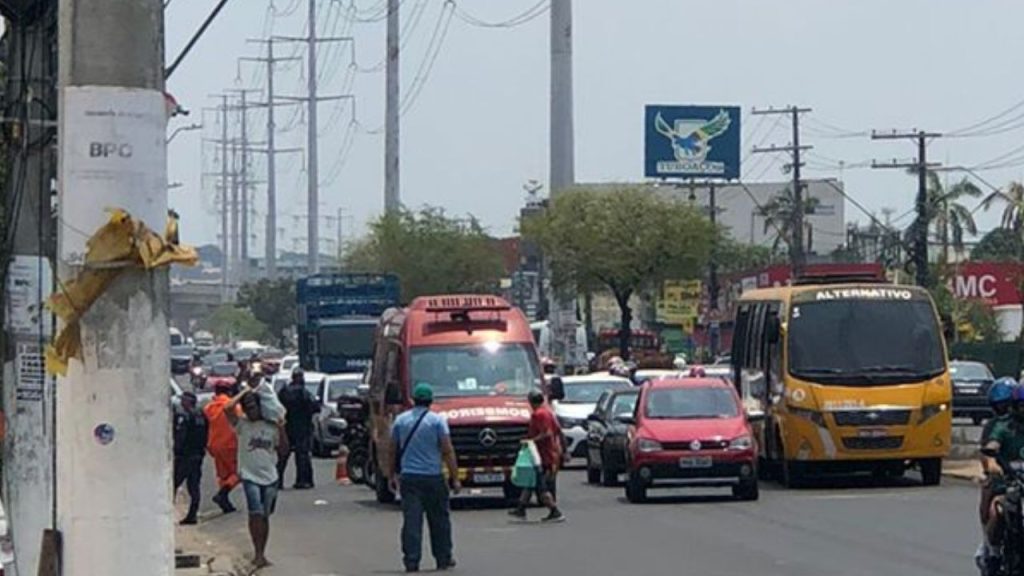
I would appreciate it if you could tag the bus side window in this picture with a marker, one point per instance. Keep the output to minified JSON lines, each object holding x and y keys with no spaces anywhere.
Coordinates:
{"x":739,"y":339}
{"x":774,"y":351}
{"x":392,"y":376}
{"x":757,"y":351}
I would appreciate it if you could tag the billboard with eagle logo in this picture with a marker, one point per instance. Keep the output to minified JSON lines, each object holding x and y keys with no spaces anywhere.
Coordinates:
{"x":692,"y":142}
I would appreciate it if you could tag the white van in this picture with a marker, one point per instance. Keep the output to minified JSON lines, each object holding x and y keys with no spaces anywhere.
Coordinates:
{"x":545,"y":346}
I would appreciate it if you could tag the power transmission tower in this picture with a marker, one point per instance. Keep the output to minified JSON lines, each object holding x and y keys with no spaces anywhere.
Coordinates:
{"x":312,"y":99}
{"x":796,"y":243}
{"x":243,"y":180}
{"x":921,"y":166}
{"x":225,"y":207}
{"x":271,"y":224}
{"x":392,"y":114}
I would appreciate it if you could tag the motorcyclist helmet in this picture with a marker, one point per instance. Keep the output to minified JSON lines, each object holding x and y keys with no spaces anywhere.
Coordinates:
{"x":1002,"y":390}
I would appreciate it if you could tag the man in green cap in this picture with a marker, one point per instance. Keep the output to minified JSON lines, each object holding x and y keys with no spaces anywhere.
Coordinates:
{"x":420,"y":442}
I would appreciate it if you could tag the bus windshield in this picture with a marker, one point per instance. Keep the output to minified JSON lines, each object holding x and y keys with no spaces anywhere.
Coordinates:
{"x":864,"y":341}
{"x":348,"y":340}
{"x":476,"y":370}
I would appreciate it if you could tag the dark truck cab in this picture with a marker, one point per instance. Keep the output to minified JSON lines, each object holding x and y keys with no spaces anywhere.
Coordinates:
{"x":337,"y":317}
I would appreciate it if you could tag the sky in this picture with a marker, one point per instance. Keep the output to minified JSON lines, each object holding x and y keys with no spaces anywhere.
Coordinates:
{"x":476,"y":125}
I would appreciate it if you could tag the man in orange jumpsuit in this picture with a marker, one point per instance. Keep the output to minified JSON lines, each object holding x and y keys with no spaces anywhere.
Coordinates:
{"x":222,"y":444}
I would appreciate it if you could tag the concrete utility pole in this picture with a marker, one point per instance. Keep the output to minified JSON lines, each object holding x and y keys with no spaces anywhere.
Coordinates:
{"x":921,"y":166}
{"x":114,"y":509}
{"x":797,"y":254}
{"x":392,"y":118}
{"x":270,"y":249}
{"x":26,"y":253}
{"x":562,"y":161}
{"x":312,"y":168}
{"x":714,"y":323}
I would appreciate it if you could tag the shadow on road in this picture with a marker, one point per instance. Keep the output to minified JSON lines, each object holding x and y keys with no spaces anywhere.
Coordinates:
{"x":850,"y":482}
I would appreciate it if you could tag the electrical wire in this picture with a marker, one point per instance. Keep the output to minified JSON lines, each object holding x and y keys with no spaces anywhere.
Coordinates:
{"x":532,"y":13}
{"x":761,"y":158}
{"x":444,"y":22}
{"x":334,"y":173}
{"x":979,"y":125}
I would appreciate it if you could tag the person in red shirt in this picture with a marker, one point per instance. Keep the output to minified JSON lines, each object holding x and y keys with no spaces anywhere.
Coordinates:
{"x":545,"y":432}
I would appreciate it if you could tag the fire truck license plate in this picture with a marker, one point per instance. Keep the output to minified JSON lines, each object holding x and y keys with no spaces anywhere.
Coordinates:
{"x":488,"y":478}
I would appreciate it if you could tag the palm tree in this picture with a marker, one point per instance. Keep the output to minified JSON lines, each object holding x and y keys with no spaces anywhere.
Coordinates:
{"x":950,"y":218}
{"x":1013,"y":211}
{"x":778,"y":216}
{"x":1013,"y":219}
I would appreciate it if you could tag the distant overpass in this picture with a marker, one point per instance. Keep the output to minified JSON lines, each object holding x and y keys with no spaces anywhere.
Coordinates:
{"x":194,"y":301}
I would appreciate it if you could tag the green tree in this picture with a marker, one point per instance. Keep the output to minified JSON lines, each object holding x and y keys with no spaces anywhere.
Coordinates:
{"x":625,"y":238}
{"x":272,"y":302}
{"x":735,"y":257}
{"x":948,"y":216}
{"x":230,"y":323}
{"x":430,"y":252}
{"x":999,"y":245}
{"x":778,"y":214}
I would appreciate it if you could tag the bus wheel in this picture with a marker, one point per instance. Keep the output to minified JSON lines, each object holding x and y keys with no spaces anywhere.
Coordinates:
{"x":931,"y":471}
{"x":792,"y":474}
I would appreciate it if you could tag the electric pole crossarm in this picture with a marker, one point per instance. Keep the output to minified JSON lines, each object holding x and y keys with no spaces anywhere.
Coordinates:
{"x":790,"y":149}
{"x":787,"y":110}
{"x":317,"y":39}
{"x":318,"y":98}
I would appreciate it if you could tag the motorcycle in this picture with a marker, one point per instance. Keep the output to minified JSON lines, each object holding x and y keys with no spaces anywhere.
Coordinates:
{"x":357,"y":439}
{"x":1012,"y":558}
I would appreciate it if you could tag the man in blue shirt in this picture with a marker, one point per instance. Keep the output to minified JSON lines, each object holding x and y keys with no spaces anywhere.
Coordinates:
{"x":420,"y":441}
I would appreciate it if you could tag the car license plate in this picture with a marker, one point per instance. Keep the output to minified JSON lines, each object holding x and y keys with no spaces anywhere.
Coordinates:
{"x":971,"y":391}
{"x":695,"y":462}
{"x":871,"y":432}
{"x":495,"y":478}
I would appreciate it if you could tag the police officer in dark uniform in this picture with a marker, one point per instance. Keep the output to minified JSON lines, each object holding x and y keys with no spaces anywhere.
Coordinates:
{"x":190,"y":433}
{"x":301,"y":406}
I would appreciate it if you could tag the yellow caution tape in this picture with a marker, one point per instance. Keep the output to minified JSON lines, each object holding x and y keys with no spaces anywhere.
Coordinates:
{"x":123,"y":242}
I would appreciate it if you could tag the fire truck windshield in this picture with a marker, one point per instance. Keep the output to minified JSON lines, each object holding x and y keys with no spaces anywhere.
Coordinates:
{"x":491,"y":369}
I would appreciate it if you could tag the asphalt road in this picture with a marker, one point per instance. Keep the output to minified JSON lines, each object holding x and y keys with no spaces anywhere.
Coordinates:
{"x":852,"y":527}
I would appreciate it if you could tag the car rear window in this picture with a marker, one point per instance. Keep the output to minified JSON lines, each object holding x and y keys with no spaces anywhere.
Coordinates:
{"x":690,"y":403}
{"x":970,"y":372}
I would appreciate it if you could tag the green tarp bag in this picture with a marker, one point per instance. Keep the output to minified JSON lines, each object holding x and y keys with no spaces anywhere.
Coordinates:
{"x":524,"y":473}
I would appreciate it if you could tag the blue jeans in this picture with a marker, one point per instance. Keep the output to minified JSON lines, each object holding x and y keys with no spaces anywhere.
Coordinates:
{"x":260,"y":500}
{"x":425,"y":495}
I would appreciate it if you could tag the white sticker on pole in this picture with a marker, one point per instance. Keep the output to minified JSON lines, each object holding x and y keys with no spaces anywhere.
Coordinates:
{"x":114,"y":155}
{"x":28,"y":287}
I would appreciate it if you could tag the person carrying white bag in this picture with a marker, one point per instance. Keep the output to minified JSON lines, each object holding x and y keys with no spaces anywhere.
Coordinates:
{"x":544,"y":443}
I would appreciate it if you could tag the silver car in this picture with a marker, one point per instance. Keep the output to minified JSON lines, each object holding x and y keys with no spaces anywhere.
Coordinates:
{"x":328,"y":427}
{"x":581,"y":395}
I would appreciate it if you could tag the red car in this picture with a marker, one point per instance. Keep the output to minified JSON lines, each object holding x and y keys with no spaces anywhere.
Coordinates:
{"x":690,"y":431}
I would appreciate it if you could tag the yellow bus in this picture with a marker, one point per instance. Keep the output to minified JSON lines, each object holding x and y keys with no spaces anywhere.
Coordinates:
{"x":850,"y":377}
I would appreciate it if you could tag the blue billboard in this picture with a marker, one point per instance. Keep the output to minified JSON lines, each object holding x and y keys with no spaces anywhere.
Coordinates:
{"x":692,"y":142}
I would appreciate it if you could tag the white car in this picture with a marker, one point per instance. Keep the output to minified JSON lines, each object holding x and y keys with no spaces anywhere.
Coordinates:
{"x":328,"y":427}
{"x":202,"y":398}
{"x":581,"y":395}
{"x":288,"y":363}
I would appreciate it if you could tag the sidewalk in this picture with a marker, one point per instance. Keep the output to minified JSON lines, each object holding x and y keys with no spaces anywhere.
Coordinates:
{"x":218,"y":556}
